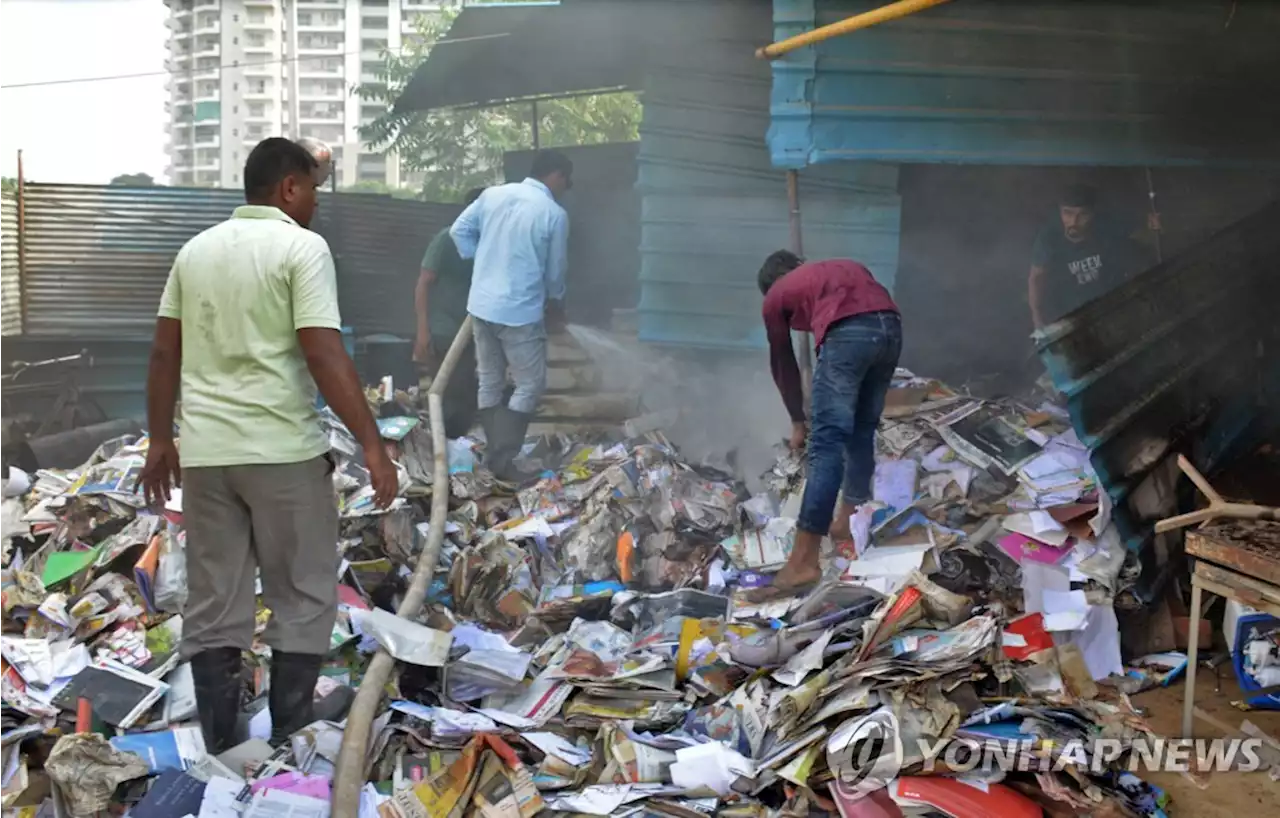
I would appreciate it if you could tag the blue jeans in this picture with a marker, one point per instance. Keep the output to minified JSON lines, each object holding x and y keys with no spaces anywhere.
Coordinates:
{"x":855,"y":368}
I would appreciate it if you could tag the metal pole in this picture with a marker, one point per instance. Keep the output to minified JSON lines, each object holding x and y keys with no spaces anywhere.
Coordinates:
{"x":22,"y":247}
{"x":797,"y":247}
{"x":537,"y":139}
{"x":1151,"y":197}
{"x":883,"y":14}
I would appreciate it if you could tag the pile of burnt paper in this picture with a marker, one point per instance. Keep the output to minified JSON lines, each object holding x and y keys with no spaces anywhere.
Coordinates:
{"x":590,"y":645}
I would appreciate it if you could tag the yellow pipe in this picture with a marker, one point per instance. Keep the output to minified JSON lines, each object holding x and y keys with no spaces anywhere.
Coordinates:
{"x":883,"y":14}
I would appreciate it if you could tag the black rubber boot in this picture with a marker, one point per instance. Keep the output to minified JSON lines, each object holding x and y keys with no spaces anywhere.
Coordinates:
{"x":492,"y":434}
{"x":511,"y":428}
{"x":216,"y":674}
{"x":293,"y":687}
{"x":334,"y":706}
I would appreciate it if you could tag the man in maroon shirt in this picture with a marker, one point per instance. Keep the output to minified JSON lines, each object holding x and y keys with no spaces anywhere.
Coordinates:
{"x":858,"y":333}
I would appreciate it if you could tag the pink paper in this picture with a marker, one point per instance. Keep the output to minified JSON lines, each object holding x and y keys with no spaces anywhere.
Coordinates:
{"x":1023,"y":548}
{"x":311,"y":786}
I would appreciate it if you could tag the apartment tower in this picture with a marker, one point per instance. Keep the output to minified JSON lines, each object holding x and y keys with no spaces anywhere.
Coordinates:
{"x":243,"y":70}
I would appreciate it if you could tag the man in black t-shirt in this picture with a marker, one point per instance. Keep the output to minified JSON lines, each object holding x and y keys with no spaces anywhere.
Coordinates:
{"x":1079,"y":256}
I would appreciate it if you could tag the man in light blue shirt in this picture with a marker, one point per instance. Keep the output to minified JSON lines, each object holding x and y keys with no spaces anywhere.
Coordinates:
{"x":519,"y":237}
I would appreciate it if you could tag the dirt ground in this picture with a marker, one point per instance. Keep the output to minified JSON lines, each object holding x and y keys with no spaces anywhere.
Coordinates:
{"x":1228,"y":794}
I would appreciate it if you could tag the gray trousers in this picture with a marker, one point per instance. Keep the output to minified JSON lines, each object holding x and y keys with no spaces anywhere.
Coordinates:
{"x":523,"y":350}
{"x":282,"y":519}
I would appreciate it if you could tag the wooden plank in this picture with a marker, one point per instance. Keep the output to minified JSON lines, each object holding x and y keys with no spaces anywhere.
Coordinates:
{"x":562,"y":349}
{"x":603,"y":407}
{"x":1245,"y":547}
{"x":554,"y":427}
{"x":574,"y":378}
{"x":1238,"y":587}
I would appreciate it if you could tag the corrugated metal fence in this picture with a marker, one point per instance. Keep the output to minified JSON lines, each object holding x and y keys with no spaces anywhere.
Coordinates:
{"x":713,"y":206}
{"x":97,"y":257}
{"x":10,"y":286}
{"x":377,"y":243}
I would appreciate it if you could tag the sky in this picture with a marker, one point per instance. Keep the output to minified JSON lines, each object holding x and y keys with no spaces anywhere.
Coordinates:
{"x":85,"y":132}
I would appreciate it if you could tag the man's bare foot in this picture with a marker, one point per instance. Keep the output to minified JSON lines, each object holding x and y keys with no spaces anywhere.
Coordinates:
{"x":840,"y":529}
{"x":801,"y":571}
{"x":797,"y":576}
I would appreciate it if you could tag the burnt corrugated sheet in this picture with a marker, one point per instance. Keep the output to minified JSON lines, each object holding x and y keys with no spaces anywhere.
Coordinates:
{"x":98,"y":257}
{"x":713,"y":207}
{"x":499,"y":52}
{"x":10,"y":283}
{"x":1032,"y":83}
{"x":1182,"y":358}
{"x":377,"y":244}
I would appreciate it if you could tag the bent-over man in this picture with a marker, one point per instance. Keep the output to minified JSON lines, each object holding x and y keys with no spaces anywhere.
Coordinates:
{"x":858,"y":333}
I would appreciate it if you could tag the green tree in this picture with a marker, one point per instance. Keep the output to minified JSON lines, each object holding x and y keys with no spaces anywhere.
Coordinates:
{"x":462,"y":148}
{"x":133,"y":180}
{"x":371,"y":186}
{"x":9,"y":184}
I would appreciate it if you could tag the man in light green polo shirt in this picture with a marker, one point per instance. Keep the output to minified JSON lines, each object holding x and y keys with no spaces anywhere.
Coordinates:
{"x":249,"y":328}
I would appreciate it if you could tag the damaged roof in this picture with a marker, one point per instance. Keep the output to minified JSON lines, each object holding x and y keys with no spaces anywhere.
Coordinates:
{"x":522,"y":51}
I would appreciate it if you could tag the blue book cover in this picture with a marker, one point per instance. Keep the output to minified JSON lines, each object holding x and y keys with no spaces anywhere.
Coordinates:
{"x":173,"y":795}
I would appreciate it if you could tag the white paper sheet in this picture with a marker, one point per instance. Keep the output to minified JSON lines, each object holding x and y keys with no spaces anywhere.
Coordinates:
{"x":370,"y":800}
{"x":478,"y":638}
{"x":860,"y":525}
{"x":446,"y":722}
{"x":1100,"y":642}
{"x":1046,"y":465}
{"x":18,"y":483}
{"x":804,"y":662}
{"x":530,"y":528}
{"x":1101,"y":519}
{"x":405,"y":640}
{"x":711,"y":766}
{"x":600,"y":799}
{"x":1038,"y":577}
{"x":219,"y":800}
{"x":1064,"y":621}
{"x":180,"y":703}
{"x":894,"y":483}
{"x":68,"y":659}
{"x":1038,"y":526}
{"x":559,"y":746}
{"x":889,"y":561}
{"x":31,"y":658}
{"x":531,"y":706}
{"x":260,"y":725}
{"x":1065,"y":602}
{"x":174,"y":503}
{"x":278,"y":804}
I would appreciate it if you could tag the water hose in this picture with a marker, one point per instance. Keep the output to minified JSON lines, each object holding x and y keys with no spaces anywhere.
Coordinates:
{"x":351,"y":772}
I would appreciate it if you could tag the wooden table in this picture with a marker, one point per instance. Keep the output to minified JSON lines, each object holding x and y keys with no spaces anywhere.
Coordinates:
{"x":1237,"y":560}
